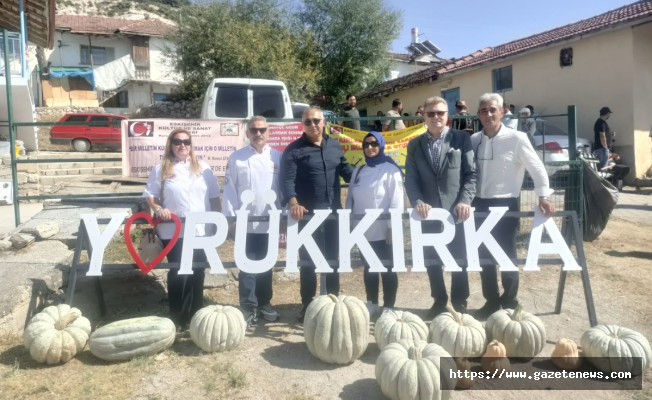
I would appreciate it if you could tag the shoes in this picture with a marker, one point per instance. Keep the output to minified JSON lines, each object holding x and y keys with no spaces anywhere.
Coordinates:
{"x":386,"y":310}
{"x":251,"y":317}
{"x":302,"y":313}
{"x":269,"y":313}
{"x":373,"y":308}
{"x":485,"y":311}
{"x":460,"y":307}
{"x":435,"y":310}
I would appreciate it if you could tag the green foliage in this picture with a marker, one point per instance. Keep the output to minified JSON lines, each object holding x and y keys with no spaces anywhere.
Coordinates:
{"x":243,"y":39}
{"x":352,"y":37}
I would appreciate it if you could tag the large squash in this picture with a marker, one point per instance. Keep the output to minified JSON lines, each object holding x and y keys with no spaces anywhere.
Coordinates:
{"x":129,"y":338}
{"x":410,"y":370}
{"x":522,"y":333}
{"x":461,"y":335}
{"x":396,"y":325}
{"x":218,"y":328}
{"x":611,"y":348}
{"x":336,"y":329}
{"x":56,"y":334}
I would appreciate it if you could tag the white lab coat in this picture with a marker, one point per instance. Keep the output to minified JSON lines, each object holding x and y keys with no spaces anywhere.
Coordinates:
{"x":249,"y":170}
{"x":375,"y":187}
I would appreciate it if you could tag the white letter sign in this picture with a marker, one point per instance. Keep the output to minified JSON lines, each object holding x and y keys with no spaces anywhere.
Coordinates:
{"x":98,"y":241}
{"x":350,"y":238}
{"x":483,"y":235}
{"x":297,"y":239}
{"x":436,"y":240}
{"x":558,"y":245}
{"x":208,"y":243}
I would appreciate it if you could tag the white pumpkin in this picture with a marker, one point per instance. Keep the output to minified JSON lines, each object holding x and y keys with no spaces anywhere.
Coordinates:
{"x":56,"y":334}
{"x":522,"y":333}
{"x":610,"y":348}
{"x":410,"y":370}
{"x":130,"y":338}
{"x":218,"y":328}
{"x":336,"y":329}
{"x":396,"y":325}
{"x":461,"y":335}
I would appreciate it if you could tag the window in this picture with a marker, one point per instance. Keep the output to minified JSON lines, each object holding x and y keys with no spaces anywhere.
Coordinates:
{"x":566,"y":57}
{"x":160,"y":97}
{"x":97,"y":118}
{"x":502,"y":79}
{"x":101,"y":55}
{"x":77,"y":118}
{"x":231,"y":102}
{"x":268,"y":102}
{"x":120,"y":100}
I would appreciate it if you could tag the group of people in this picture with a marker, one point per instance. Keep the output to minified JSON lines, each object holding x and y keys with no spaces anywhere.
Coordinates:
{"x":445,"y":168}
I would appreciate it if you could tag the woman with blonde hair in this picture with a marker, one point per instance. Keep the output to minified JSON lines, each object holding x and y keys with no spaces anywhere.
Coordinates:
{"x":180,"y":184}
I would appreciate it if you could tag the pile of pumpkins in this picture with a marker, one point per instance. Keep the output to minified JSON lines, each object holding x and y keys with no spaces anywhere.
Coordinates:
{"x":58,"y":333}
{"x":336,"y":330}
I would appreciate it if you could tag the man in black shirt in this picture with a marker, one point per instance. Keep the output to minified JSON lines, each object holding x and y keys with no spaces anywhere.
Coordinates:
{"x":350,"y":112}
{"x":603,"y":137}
{"x":310,"y":170}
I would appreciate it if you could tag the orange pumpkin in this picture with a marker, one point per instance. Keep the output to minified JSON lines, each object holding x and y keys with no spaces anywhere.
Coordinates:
{"x":566,"y":355}
{"x":495,"y":358}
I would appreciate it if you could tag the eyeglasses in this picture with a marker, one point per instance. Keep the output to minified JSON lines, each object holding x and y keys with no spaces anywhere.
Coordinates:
{"x":311,"y":122}
{"x":179,"y":142}
{"x":478,"y":148}
{"x":372,"y":144}
{"x":431,"y":114}
{"x":258,"y":130}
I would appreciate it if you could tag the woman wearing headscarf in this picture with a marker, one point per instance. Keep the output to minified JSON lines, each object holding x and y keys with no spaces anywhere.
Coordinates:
{"x":180,"y":184}
{"x":378,"y":184}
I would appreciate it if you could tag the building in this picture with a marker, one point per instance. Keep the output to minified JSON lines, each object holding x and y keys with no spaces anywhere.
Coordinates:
{"x":420,"y":56}
{"x":118,"y":64}
{"x":601,"y":61}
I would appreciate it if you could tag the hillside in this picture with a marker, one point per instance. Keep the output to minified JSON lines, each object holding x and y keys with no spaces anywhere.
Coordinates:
{"x":124,"y":9}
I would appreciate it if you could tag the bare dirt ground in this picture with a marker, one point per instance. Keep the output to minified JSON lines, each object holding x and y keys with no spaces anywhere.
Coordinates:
{"x":274,"y":362}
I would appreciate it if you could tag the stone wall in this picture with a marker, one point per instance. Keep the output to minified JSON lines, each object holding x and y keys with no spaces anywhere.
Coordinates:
{"x":171,"y":109}
{"x":46,"y":114}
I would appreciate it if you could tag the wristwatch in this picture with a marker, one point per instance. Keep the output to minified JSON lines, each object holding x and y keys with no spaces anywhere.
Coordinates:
{"x":157,"y":210}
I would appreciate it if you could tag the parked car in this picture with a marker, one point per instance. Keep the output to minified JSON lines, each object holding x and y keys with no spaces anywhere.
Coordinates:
{"x":82,"y":137}
{"x":236,"y":98}
{"x":556,"y":147}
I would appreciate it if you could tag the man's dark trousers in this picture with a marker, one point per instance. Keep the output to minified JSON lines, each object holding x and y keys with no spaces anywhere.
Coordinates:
{"x":459,"y":280}
{"x":255,"y":290}
{"x":505,"y":234}
{"x":326,"y":237}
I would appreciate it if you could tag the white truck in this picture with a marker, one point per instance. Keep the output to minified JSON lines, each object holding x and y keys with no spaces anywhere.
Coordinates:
{"x":238,"y":98}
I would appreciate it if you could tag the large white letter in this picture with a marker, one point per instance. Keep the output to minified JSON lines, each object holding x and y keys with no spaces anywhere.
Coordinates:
{"x":349,"y":238}
{"x":398,"y":247}
{"x":558,"y":245}
{"x":98,"y":241}
{"x":297,"y":239}
{"x":437,"y":240}
{"x":483,"y":235}
{"x":208,"y":243}
{"x":240,"y":252}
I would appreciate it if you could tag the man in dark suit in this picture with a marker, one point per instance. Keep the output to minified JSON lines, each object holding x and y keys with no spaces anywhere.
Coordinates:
{"x":440,"y":173}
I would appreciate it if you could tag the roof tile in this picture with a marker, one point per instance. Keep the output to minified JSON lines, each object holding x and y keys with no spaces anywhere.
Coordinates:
{"x":111,"y":26}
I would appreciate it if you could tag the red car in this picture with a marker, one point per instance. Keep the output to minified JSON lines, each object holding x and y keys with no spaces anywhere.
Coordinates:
{"x":83,"y":137}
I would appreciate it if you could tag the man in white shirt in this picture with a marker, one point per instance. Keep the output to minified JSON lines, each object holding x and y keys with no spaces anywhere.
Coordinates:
{"x":397,"y":109}
{"x":254,"y":167}
{"x":502,"y":156}
{"x":511,"y":123}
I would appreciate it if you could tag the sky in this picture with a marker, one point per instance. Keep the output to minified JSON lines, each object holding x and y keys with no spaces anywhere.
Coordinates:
{"x":462,"y":27}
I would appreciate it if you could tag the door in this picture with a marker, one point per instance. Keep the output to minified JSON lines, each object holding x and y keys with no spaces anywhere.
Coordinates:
{"x":451,"y":96}
{"x":116,"y":129}
{"x":71,"y":131}
{"x":100,"y":133}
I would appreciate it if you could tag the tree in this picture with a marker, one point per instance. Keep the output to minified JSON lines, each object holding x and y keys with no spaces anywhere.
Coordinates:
{"x":243,"y":39}
{"x":352,"y":38}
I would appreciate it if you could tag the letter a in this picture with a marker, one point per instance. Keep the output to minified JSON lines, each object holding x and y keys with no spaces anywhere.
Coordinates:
{"x":558,"y":245}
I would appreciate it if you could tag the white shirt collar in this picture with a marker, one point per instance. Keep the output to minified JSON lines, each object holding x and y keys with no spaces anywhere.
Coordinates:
{"x":177,"y":161}
{"x":256,"y":151}
{"x":497,"y":133}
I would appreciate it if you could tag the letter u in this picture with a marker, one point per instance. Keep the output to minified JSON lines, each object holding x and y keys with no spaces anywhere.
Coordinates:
{"x":240,"y":254}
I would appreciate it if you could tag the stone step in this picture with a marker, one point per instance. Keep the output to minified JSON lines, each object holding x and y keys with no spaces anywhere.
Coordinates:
{"x":77,"y":165}
{"x":51,"y":180}
{"x":82,"y":169}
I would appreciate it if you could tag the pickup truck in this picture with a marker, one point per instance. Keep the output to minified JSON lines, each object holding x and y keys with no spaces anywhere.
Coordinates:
{"x":236,"y":98}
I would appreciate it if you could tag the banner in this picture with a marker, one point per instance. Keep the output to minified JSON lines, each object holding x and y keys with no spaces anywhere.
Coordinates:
{"x":395,"y":142}
{"x":281,"y":135}
{"x":143,"y":142}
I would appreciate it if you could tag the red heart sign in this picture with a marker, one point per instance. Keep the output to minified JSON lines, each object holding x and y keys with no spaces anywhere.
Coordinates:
{"x":166,"y":250}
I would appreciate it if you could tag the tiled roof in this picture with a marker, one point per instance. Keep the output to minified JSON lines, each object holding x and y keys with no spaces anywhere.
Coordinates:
{"x":639,"y":10}
{"x":400,"y":56}
{"x":111,"y":26}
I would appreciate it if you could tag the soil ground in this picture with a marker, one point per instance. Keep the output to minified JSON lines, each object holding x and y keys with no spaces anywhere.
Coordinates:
{"x":273,"y":362}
